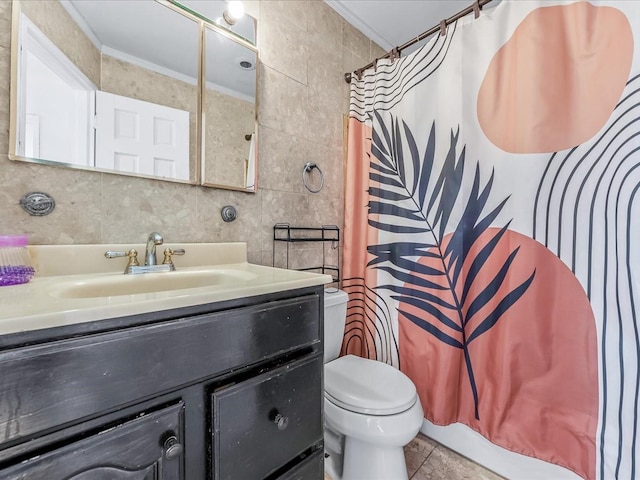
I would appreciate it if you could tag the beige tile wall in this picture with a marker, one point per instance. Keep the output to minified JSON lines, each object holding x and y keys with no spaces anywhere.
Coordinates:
{"x":305,"y":48}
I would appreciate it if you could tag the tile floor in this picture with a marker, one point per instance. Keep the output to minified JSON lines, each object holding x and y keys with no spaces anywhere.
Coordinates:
{"x":428,"y":460}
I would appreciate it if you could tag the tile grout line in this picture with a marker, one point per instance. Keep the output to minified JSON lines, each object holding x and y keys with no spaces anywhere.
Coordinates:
{"x":428,"y":456}
{"x":432,"y":450}
{"x":423,"y":462}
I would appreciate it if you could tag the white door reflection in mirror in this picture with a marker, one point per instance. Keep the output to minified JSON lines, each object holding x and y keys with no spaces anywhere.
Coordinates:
{"x":55,"y":118}
{"x":141,"y":137}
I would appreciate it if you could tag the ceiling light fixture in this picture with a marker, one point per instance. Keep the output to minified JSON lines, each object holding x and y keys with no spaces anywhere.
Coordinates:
{"x":245,"y":63}
{"x":233,"y":12}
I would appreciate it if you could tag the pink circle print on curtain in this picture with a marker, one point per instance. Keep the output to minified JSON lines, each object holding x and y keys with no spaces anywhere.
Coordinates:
{"x":554,"y":84}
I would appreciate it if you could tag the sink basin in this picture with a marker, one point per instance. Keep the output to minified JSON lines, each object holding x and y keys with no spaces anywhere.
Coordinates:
{"x":116,"y":285}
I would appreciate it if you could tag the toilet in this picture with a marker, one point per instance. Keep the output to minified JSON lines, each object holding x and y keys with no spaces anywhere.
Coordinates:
{"x":371,"y":410}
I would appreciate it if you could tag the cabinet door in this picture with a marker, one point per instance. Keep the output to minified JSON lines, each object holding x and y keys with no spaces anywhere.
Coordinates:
{"x":263,"y":423}
{"x":148,"y":447}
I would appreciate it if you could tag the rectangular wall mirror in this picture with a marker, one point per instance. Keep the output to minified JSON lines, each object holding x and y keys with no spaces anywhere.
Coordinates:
{"x":117,"y":86}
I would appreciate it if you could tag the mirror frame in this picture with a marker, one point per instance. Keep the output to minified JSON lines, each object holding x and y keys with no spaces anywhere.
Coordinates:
{"x":203,"y":23}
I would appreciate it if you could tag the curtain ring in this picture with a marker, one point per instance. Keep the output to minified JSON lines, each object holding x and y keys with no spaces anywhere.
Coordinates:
{"x":443,"y":28}
{"x":476,"y":8}
{"x":306,"y":169}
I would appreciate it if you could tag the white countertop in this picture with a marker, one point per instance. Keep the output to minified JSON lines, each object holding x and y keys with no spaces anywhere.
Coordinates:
{"x":39,"y":304}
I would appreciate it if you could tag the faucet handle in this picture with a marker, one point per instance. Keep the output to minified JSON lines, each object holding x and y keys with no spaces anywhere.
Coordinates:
{"x":132,"y":254}
{"x":168,"y":253}
{"x":112,"y":254}
{"x":133,"y":258}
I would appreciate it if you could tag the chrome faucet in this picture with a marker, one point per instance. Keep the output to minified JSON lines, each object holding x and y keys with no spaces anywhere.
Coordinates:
{"x":150,"y":253}
{"x":150,"y":259}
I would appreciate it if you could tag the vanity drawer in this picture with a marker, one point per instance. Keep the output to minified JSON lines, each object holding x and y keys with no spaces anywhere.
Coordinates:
{"x":67,"y":381}
{"x":261,"y":424}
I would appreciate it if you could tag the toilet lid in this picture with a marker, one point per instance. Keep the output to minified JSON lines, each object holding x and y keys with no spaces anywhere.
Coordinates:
{"x":367,"y":386}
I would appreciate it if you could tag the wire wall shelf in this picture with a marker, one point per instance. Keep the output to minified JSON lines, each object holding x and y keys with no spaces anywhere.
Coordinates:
{"x":329,"y":235}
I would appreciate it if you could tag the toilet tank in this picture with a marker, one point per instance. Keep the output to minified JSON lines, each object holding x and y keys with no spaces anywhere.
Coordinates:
{"x":335,"y":315}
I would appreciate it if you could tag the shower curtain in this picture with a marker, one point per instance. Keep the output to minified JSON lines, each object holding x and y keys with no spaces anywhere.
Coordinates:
{"x":492,"y":228}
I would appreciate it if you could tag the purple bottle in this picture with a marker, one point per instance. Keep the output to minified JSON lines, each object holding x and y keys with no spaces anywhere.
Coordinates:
{"x":15,"y":262}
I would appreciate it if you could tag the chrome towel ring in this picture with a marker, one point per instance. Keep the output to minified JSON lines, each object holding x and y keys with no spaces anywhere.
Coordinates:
{"x":308,"y":167}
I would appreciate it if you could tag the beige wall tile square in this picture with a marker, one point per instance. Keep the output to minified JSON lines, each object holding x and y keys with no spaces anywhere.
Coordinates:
{"x":134,"y":207}
{"x":282,"y":38}
{"x":286,"y":11}
{"x":281,"y":168}
{"x":326,"y":88}
{"x":325,"y":31}
{"x":324,"y":125}
{"x":283,"y":102}
{"x":355,"y":41}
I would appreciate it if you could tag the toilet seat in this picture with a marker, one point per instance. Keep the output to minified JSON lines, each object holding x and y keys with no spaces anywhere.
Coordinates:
{"x":369,"y":387}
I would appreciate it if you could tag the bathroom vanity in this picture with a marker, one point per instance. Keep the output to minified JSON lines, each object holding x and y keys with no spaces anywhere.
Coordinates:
{"x":204,"y":383}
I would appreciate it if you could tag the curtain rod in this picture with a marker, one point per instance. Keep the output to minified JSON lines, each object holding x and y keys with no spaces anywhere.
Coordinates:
{"x":441,"y":27}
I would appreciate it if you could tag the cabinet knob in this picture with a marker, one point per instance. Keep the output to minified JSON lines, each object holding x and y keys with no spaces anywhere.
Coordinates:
{"x":172,"y":448}
{"x":281,"y":421}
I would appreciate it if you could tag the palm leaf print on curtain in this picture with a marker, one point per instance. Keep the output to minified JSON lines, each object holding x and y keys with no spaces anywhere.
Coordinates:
{"x":492,"y":179}
{"x":434,"y":292}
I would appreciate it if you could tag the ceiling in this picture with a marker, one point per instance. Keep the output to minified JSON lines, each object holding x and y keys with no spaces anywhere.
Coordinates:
{"x":391,"y":23}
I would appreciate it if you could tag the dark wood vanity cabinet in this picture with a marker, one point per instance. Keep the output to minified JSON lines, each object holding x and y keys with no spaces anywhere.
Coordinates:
{"x":231,"y":390}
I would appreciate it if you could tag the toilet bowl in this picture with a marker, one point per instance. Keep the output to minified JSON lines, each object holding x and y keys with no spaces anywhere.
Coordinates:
{"x":371,"y":409}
